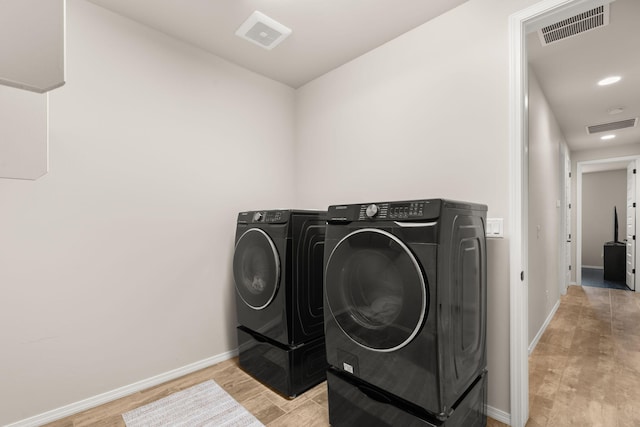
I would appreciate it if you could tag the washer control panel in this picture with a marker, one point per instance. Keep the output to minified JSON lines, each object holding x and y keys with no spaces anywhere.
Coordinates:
{"x":396,"y":210}
{"x":386,"y":211}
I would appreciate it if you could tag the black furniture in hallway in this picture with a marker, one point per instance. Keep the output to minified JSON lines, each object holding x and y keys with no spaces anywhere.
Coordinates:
{"x":614,"y":261}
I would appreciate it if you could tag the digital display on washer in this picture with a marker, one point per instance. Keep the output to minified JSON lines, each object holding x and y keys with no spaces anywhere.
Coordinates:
{"x":406,"y":209}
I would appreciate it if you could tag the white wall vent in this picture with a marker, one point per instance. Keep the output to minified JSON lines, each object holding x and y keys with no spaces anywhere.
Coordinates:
{"x":574,"y":25}
{"x":263,"y":31}
{"x":608,"y":127}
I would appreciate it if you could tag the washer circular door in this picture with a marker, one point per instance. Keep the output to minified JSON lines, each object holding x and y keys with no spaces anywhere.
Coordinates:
{"x":376,"y":290}
{"x":256,"y":268}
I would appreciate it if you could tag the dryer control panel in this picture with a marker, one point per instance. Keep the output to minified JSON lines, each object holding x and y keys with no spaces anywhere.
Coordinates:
{"x":386,"y":211}
{"x":270,"y":217}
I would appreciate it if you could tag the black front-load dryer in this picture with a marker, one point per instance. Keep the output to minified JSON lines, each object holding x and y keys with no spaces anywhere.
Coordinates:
{"x":405,"y":299}
{"x":278,"y":271}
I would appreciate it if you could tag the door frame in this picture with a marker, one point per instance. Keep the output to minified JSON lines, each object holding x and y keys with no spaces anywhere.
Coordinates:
{"x":540,"y":13}
{"x":631,"y":179}
{"x":566,"y":235}
{"x":579,"y":172}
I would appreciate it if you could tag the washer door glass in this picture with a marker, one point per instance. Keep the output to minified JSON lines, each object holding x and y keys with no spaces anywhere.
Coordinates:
{"x":256,"y":268}
{"x":375,"y":290}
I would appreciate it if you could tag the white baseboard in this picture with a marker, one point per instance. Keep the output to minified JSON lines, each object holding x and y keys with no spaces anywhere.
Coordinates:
{"x":534,"y":343}
{"x":595,"y":267}
{"x":92,"y":402}
{"x":498,"y":415}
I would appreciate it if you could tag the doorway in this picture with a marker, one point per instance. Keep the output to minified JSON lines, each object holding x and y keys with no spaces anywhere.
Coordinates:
{"x":539,"y":14}
{"x":598,"y":222}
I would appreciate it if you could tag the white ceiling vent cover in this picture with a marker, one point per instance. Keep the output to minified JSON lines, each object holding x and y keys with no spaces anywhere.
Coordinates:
{"x":578,"y":24}
{"x":608,"y":127}
{"x":263,"y":31}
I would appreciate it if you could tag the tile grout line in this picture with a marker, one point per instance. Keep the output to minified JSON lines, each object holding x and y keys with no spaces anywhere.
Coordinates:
{"x":615,"y":353}
{"x":574,"y":326}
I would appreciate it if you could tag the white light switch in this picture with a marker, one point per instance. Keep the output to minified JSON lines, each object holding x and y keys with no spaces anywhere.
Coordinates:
{"x":495,"y":227}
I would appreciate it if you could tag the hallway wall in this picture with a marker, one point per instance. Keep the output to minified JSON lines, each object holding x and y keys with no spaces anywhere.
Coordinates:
{"x":601,"y":192}
{"x":544,"y":214}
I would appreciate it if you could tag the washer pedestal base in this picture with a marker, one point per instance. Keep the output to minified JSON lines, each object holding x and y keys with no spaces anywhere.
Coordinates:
{"x":288,"y":370}
{"x":355,"y":403}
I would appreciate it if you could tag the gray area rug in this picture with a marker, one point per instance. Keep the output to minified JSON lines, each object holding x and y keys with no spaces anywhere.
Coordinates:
{"x":205,"y":404}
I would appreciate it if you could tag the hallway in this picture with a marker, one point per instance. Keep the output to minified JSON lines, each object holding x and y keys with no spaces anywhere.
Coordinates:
{"x":585,"y":370}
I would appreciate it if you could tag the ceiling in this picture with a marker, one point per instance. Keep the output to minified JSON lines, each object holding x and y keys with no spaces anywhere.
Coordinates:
{"x":326,"y":33}
{"x":329,"y":33}
{"x":569,"y":70}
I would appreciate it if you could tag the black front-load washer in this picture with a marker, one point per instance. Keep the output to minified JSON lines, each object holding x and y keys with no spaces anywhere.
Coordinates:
{"x":278,"y":271}
{"x":405,"y":300}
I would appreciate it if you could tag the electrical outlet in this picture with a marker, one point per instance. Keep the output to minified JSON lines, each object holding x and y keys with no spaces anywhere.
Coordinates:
{"x":495,"y":227}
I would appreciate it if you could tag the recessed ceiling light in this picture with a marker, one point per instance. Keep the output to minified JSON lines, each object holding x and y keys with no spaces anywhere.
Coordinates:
{"x":609,"y":80}
{"x":611,"y":136}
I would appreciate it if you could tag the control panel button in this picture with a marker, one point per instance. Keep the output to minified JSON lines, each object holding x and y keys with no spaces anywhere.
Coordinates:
{"x":257,"y":217}
{"x":372,"y":210}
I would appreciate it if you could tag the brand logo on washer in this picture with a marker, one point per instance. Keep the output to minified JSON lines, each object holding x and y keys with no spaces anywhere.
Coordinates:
{"x":341,"y":207}
{"x":347,"y":367}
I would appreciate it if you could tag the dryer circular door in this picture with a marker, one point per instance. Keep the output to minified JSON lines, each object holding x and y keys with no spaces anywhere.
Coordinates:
{"x":375,"y":290}
{"x":256,"y":268}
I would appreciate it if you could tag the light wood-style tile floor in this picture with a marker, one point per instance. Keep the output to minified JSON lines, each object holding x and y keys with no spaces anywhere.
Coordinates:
{"x":585,"y":371}
{"x":309,"y":409}
{"x":269,"y":407}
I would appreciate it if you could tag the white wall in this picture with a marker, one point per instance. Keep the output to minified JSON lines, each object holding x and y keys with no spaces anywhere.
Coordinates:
{"x":425,"y":115}
{"x":601,"y":191}
{"x":115,"y":266}
{"x":545,"y":216}
{"x":23,"y":134}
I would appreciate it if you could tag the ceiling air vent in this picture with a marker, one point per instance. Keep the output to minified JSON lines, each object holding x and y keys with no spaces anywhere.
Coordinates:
{"x":263,"y":31}
{"x":578,"y":24}
{"x":608,"y":127}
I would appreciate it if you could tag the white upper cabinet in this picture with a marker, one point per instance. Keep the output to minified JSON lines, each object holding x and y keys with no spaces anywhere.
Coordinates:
{"x":32,"y":44}
{"x":32,"y":57}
